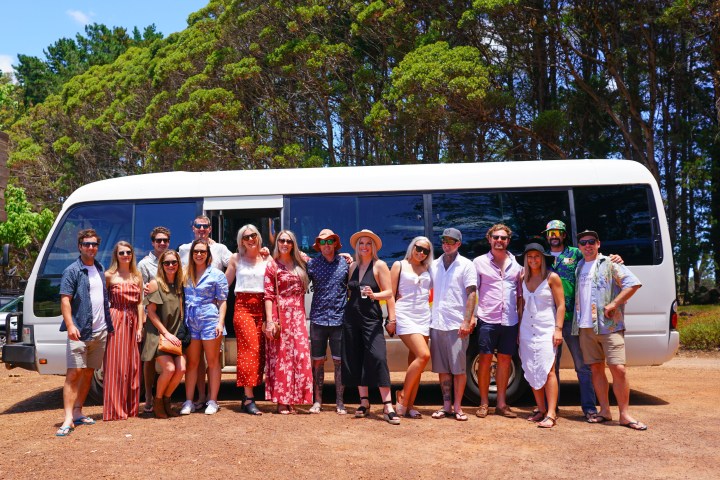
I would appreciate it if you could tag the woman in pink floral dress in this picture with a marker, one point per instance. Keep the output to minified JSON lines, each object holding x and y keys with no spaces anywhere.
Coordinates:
{"x":288,"y":377}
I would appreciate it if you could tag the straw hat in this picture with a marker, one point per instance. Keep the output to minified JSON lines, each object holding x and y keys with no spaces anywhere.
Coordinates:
{"x":324,"y":235}
{"x":366,"y":233}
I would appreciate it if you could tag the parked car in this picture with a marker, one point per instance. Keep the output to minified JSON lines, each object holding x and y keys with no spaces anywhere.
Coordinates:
{"x":12,"y":306}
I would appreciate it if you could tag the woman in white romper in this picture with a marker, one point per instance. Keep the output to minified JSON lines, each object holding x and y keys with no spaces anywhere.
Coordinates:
{"x":541,"y":332}
{"x":411,"y":283}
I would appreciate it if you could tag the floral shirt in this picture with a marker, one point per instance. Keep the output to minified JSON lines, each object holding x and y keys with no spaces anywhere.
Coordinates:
{"x":608,"y":280}
{"x":565,"y":266}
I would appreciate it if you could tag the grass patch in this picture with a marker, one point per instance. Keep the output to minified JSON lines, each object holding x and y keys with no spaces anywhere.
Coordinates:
{"x":699,"y":327}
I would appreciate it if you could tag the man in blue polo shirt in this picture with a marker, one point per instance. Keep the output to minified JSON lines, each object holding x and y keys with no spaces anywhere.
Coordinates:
{"x":328,"y":274}
{"x":86,"y":318}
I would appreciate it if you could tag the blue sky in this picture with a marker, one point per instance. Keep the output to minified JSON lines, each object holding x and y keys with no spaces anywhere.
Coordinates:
{"x":29,"y":26}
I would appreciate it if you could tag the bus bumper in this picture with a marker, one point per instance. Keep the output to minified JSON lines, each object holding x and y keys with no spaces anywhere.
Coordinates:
{"x":19,"y":355}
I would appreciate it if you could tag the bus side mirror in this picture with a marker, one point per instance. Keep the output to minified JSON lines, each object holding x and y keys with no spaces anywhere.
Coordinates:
{"x":5,"y":259}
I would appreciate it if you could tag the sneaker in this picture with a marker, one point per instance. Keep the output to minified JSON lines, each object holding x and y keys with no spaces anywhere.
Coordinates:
{"x":212,"y":408}
{"x":187,"y":408}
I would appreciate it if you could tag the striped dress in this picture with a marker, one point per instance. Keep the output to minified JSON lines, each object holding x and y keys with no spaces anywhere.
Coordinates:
{"x":122,"y":356}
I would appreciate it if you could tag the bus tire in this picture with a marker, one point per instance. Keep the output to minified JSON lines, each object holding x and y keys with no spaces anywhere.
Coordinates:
{"x":517,"y":385}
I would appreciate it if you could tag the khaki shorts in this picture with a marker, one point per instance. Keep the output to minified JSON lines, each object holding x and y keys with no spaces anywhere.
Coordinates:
{"x":597,"y":348}
{"x":89,"y":354}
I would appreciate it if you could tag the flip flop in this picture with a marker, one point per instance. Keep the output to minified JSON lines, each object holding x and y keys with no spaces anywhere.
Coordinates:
{"x":84,"y":420}
{"x":640,"y":427}
{"x":340,"y":410}
{"x":598,"y":419}
{"x":544,"y":422}
{"x":442,"y":414}
{"x":64,"y":431}
{"x":414,"y":414}
{"x":461,"y":417}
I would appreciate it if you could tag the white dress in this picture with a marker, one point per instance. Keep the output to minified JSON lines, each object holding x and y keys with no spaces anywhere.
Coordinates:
{"x":537,"y":327}
{"x":412,"y":310}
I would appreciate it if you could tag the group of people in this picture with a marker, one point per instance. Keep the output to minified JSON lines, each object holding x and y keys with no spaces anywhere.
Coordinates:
{"x":530,"y":303}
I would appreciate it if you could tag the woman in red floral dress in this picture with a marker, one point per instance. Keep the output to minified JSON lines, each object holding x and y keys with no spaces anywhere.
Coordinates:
{"x":288,"y":376}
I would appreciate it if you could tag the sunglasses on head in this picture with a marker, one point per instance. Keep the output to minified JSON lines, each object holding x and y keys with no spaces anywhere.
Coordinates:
{"x":89,"y":244}
{"x":249,"y":236}
{"x":448,"y":240}
{"x":499,"y":237}
{"x":590,"y":241}
{"x":170,"y":263}
{"x":285,"y":241}
{"x":327,"y":241}
{"x":423,"y":250}
{"x":161,"y":240}
{"x":124,"y":253}
{"x":202,"y":226}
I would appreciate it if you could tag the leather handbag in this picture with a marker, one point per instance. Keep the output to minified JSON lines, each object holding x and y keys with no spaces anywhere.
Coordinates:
{"x":165,"y":345}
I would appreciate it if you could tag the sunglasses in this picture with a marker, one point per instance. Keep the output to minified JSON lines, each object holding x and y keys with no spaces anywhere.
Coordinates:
{"x":448,"y":240}
{"x":591,"y":241}
{"x":285,"y":241}
{"x":89,"y":244}
{"x":199,"y":252}
{"x":423,"y":250}
{"x":554,"y":233}
{"x":499,"y":237}
{"x":161,"y":240}
{"x":124,"y":253}
{"x":249,"y":236}
{"x":202,"y":226}
{"x":329,"y":241}
{"x":170,"y":263}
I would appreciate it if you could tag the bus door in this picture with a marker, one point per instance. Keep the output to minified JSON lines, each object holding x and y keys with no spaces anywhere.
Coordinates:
{"x":228,"y":215}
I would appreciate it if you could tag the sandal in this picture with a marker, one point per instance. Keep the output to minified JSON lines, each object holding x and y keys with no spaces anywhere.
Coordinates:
{"x":391,"y":417}
{"x":536,"y":416}
{"x":461,"y":417}
{"x":363,"y":411}
{"x":340,"y":410}
{"x":547,"y":422}
{"x":482,"y":411}
{"x":442,"y":414}
{"x":250,"y":408}
{"x":316,"y":408}
{"x":400,"y":409}
{"x":64,"y":431}
{"x":283,"y":409}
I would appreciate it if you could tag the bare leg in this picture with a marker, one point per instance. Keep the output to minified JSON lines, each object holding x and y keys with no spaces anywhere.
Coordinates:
{"x":446,"y":385}
{"x":540,"y":399}
{"x":177,"y":378}
{"x":167,"y":372}
{"x":363,"y":392}
{"x":339,"y":387}
{"x":602,"y":388}
{"x":73,"y":377}
{"x":212,"y":355}
{"x":318,"y":372}
{"x":501,"y":378}
{"x":483,"y":374}
{"x":193,"y":353}
{"x":201,"y":371}
{"x":419,"y":351}
{"x":459,"y":384}
{"x":551,"y":392}
{"x":621,"y":389}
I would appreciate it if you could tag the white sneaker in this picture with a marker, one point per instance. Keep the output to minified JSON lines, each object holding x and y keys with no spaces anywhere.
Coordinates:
{"x":212,"y":408}
{"x":187,"y":408}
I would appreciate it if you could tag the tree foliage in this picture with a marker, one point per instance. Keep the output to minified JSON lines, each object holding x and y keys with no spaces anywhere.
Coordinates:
{"x":273,"y":84}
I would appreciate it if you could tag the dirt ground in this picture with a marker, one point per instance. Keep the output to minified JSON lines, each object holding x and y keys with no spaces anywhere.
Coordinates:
{"x":679,"y":402}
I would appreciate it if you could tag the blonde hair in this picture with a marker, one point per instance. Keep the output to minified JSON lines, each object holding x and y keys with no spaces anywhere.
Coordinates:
{"x":161,"y":278}
{"x":543,"y":266}
{"x":191,"y":272}
{"x":373,"y":248}
{"x":299,"y":265}
{"x":134,"y":272}
{"x":428,"y":258}
{"x":241,"y":248}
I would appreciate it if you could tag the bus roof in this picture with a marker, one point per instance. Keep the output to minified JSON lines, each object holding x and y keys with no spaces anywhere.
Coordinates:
{"x":384,"y":178}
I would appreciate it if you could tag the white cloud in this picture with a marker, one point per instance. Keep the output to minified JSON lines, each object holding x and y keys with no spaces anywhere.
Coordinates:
{"x":6,"y":62}
{"x":80,"y":17}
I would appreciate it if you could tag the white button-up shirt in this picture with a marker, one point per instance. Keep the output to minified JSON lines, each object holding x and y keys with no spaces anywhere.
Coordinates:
{"x":450,"y":292}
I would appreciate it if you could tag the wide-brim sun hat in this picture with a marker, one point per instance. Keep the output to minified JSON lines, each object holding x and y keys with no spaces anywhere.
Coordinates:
{"x":366,"y":233}
{"x":324,"y":235}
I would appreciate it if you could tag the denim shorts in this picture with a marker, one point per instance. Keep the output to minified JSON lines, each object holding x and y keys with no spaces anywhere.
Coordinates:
{"x":320,"y":336}
{"x":493,"y":336}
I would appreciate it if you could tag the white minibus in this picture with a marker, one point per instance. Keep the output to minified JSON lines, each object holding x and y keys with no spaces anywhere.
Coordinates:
{"x":620,"y":199}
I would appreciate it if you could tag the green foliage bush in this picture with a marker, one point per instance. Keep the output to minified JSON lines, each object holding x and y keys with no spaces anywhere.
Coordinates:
{"x":701,"y":336}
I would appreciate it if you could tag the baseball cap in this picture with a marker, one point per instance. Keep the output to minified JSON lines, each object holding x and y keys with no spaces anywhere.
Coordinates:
{"x":452,"y":233}
{"x":555,"y":225}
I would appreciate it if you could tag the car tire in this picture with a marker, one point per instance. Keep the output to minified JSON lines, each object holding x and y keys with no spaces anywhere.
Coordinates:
{"x":517,"y":385}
